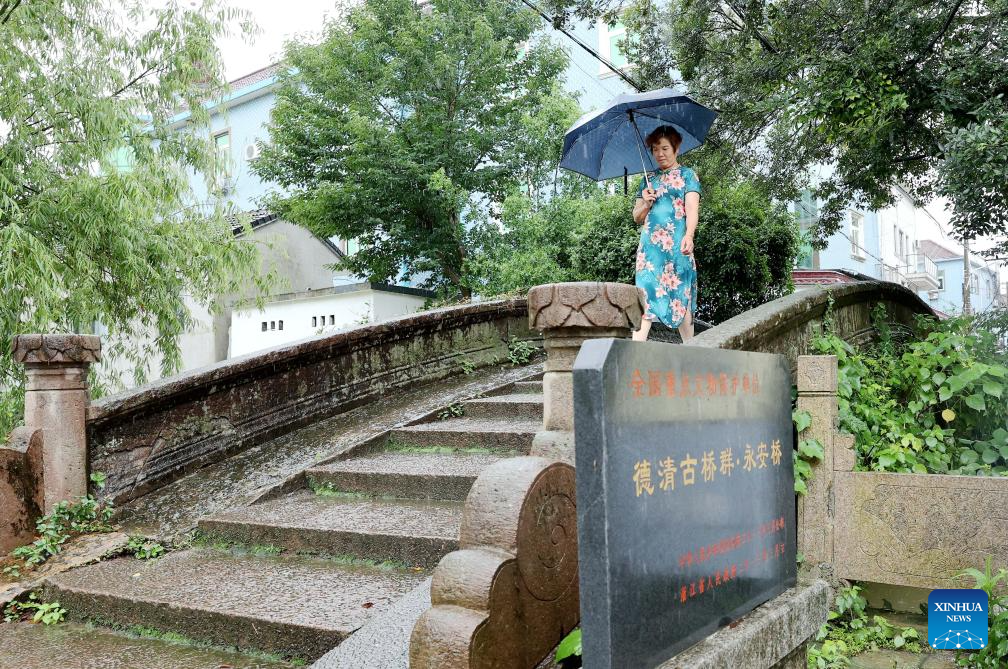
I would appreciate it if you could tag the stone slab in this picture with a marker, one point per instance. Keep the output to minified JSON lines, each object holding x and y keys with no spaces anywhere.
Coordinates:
{"x":293,"y":605}
{"x":472,"y":433}
{"x":765,"y":636}
{"x":72,"y":646}
{"x":918,"y":530}
{"x":414,"y":532}
{"x":895,"y":659}
{"x":685,"y":494}
{"x":527,"y":406}
{"x":447,"y":476}
{"x":383,"y":641}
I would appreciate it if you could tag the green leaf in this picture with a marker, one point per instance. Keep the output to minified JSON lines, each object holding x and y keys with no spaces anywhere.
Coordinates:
{"x":948,"y":415}
{"x":976,"y":401}
{"x":993,"y":388}
{"x":811,"y":449}
{"x":990,"y":456}
{"x":944,"y":393}
{"x":886,"y":460}
{"x":802,"y":419}
{"x":571,"y":645}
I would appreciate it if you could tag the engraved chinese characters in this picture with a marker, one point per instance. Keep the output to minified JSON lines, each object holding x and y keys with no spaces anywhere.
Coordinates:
{"x":686,"y":514}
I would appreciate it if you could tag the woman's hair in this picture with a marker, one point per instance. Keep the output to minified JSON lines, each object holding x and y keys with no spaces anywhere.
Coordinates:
{"x":664,"y":132}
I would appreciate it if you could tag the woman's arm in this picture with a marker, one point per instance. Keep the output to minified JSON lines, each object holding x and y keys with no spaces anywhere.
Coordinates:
{"x":642,"y":205}
{"x":692,"y":216}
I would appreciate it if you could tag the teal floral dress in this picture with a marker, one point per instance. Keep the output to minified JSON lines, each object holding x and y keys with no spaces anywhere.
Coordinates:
{"x":667,"y":276}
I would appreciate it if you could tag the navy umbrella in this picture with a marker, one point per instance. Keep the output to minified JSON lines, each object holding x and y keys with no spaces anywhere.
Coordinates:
{"x":609,"y":142}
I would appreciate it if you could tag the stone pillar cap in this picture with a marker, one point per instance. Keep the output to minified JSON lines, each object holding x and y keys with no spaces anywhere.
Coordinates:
{"x":55,"y":348}
{"x":591,"y":304}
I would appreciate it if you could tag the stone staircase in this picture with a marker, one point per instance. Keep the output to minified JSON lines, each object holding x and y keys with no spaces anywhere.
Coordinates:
{"x":302,"y":568}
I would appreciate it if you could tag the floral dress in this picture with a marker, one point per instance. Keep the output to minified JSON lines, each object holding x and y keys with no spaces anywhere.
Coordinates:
{"x":667,"y":276}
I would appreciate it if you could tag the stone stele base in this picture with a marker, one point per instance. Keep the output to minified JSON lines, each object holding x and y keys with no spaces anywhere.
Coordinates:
{"x":773,"y":636}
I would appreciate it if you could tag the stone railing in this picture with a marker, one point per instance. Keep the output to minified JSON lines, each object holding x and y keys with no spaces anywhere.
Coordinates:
{"x":789,"y":324}
{"x":146,"y":437}
{"x":911,"y":530}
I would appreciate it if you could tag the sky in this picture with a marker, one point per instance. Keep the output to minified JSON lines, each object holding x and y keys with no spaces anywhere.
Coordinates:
{"x":277,"y":21}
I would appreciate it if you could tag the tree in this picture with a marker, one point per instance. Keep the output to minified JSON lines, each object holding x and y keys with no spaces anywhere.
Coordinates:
{"x":745,"y":245}
{"x":404,"y":121}
{"x":895,"y":93}
{"x":84,"y":237}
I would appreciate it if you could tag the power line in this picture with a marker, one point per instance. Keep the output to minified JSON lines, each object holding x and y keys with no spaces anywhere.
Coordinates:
{"x":553,"y":21}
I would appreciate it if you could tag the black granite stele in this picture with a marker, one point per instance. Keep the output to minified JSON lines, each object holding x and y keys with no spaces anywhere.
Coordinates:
{"x":685,"y":494}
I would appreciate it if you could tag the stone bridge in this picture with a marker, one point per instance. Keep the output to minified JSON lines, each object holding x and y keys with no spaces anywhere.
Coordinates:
{"x":309,"y":494}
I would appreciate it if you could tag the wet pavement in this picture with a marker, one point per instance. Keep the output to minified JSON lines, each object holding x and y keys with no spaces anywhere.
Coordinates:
{"x":72,"y":646}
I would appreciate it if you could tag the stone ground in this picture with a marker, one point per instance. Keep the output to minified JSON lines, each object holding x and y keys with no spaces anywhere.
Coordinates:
{"x":301,"y":541}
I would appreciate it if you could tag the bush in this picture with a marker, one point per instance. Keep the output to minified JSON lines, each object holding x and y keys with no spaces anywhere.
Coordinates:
{"x":931,"y":405}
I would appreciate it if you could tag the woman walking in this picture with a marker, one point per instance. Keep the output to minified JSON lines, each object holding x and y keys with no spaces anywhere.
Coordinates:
{"x":667,"y":205}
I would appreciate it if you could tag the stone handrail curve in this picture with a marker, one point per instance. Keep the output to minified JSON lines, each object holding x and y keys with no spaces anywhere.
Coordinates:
{"x":788,"y":324}
{"x":145,"y":437}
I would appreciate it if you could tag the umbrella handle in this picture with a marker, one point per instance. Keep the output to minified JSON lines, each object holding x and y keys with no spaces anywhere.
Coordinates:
{"x":640,"y":143}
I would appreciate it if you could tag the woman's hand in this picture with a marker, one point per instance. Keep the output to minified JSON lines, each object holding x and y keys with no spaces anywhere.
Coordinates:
{"x":687,"y":245}
{"x":649,"y":195}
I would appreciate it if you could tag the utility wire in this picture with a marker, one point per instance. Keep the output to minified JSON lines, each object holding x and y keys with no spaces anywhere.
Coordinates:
{"x":556,"y":23}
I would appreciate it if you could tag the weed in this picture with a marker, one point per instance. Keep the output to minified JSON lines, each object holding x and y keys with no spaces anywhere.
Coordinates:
{"x":467,"y":365}
{"x":143,"y":548}
{"x":46,"y":613}
{"x":65,"y":520}
{"x":520,"y":351}
{"x":455,"y":410}
{"x":330,"y":490}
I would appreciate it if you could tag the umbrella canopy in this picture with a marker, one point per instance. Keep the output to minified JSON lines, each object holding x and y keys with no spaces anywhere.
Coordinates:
{"x":604,"y":143}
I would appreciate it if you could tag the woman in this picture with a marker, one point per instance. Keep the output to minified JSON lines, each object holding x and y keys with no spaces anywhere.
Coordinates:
{"x":667,"y":205}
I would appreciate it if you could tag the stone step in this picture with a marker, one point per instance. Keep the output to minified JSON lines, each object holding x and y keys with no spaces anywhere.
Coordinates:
{"x":897,"y":659}
{"x":74,"y":646}
{"x":410,"y":532}
{"x":526,"y":406}
{"x":533,"y":387}
{"x":445,"y":476}
{"x":485,"y":434}
{"x":294,"y":605}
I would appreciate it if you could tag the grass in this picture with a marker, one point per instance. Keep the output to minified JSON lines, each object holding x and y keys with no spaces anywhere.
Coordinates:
{"x":144,"y":632}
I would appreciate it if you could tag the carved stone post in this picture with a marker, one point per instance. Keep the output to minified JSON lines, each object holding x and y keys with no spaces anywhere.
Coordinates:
{"x":56,"y":402}
{"x":817,"y":394}
{"x":568,"y":314}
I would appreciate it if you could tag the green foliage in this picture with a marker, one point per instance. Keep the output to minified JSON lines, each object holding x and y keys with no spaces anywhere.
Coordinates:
{"x":98,"y":220}
{"x":55,"y":528}
{"x":850,"y":631}
{"x":901,"y":93}
{"x":995,"y":655}
{"x":407,"y":119}
{"x":745,"y":245}
{"x":455,"y":410}
{"x":808,"y":452}
{"x":935,"y":405}
{"x":46,"y":613}
{"x":520,"y":351}
{"x":144,"y":548}
{"x":467,"y":365}
{"x":570,"y":646}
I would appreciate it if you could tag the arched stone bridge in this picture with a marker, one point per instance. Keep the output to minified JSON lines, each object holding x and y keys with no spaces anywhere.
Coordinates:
{"x":327,"y":479}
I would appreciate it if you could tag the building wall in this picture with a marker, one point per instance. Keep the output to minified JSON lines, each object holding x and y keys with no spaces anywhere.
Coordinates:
{"x":840,"y":253}
{"x":304,"y":315}
{"x":949,"y":297}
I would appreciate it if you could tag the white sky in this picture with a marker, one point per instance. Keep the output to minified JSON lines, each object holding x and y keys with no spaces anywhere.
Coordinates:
{"x":278,"y":22}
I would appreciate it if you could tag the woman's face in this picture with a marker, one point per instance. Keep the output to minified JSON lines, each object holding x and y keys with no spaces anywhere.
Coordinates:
{"x":664,"y":153}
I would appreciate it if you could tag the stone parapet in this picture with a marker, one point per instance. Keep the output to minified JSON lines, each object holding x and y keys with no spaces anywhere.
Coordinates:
{"x":22,"y":491}
{"x":149,"y":436}
{"x":773,"y":636}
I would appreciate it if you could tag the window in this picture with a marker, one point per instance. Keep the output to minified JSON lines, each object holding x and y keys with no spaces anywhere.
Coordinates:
{"x":610,"y":37}
{"x":222,"y":146}
{"x":314,"y":321}
{"x":264,"y":326}
{"x":974,"y":284}
{"x":857,"y":234}
{"x":941,"y":279}
{"x":332,"y":320}
{"x":272,"y":325}
{"x":279,"y":325}
{"x":895,"y":239}
{"x":352,"y":246}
